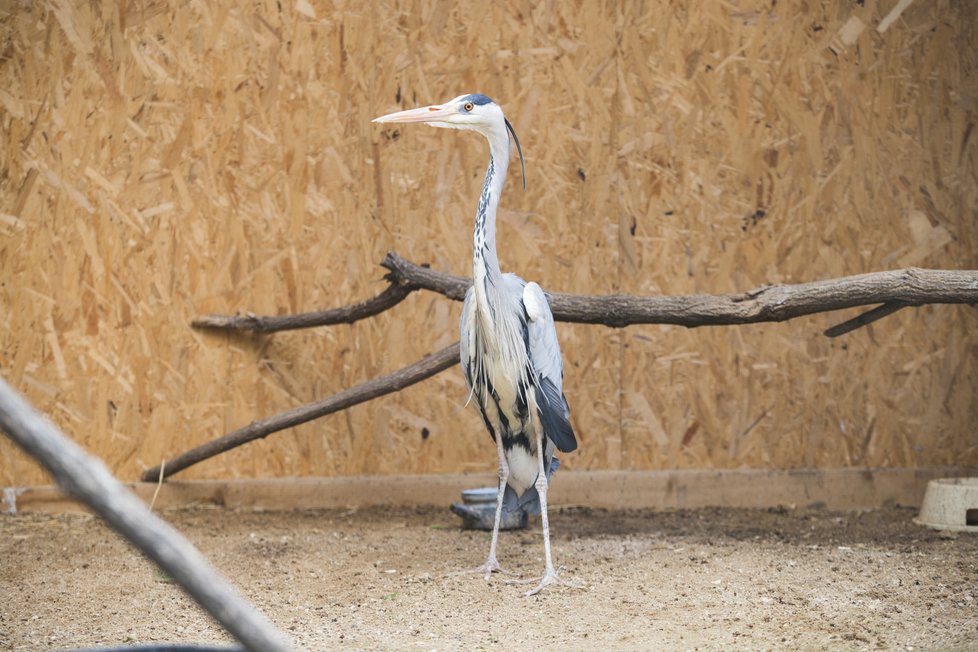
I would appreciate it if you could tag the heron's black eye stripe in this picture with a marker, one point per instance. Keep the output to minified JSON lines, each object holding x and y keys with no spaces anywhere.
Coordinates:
{"x":467,"y":106}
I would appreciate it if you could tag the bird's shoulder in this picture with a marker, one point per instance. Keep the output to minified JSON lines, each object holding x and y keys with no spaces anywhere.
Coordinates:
{"x":536,"y":304}
{"x":513,"y":282}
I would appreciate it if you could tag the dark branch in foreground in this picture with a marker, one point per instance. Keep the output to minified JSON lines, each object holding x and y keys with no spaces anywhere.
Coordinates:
{"x":87,"y":479}
{"x":894,"y":290}
{"x":393,"y":382}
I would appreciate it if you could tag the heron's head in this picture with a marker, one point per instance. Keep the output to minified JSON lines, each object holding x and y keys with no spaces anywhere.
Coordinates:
{"x":474,"y":112}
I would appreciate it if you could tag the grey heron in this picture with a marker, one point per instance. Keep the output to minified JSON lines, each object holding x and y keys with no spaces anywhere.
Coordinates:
{"x":509,"y":351}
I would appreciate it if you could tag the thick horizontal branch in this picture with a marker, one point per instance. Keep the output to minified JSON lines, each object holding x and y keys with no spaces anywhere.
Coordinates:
{"x":396,"y":381}
{"x":770,"y":303}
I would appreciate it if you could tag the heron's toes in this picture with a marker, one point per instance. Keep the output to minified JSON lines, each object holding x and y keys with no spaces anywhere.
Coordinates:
{"x":492,"y":566}
{"x":550,"y":577}
{"x":486,"y":570}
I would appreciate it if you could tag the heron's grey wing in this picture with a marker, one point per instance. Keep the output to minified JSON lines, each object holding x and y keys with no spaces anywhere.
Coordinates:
{"x":547,"y":368}
{"x":467,"y":356}
{"x":467,"y":337}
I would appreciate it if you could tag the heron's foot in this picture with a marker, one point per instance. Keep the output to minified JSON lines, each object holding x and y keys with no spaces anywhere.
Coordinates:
{"x":549,"y":578}
{"x":492,"y":566}
{"x":486,"y":570}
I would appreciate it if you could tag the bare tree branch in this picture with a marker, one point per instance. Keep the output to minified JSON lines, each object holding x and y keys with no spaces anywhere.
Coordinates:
{"x":393,"y":382}
{"x":87,"y":479}
{"x":422,"y":277}
{"x":393,"y":295}
{"x":908,"y":287}
{"x":772,"y":303}
{"x":864,"y":318}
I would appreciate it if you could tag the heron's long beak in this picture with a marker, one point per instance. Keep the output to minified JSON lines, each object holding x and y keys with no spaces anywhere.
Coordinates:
{"x":434,"y":113}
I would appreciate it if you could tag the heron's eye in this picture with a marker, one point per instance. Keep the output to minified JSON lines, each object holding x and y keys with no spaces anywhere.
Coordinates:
{"x":468,"y":107}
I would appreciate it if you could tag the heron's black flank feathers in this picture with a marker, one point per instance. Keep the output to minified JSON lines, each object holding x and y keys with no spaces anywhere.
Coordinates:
{"x":555,"y":416}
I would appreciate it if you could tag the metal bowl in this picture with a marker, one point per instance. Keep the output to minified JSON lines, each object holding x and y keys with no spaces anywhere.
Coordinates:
{"x":478,"y":511}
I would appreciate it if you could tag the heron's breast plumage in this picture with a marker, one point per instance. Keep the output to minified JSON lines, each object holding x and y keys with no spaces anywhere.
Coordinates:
{"x":496,"y":356}
{"x":498,"y":371}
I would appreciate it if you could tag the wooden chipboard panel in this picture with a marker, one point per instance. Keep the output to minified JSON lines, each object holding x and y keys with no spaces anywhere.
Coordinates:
{"x":173,"y":159}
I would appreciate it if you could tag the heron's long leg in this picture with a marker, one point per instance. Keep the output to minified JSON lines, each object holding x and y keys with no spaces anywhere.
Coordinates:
{"x":549,"y":574}
{"x":492,"y":564}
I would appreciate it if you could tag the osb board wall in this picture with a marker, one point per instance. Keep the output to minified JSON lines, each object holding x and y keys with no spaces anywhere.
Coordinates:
{"x":167,"y":159}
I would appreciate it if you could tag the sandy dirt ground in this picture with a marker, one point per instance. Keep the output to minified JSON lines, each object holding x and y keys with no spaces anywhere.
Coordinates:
{"x":714,"y":579}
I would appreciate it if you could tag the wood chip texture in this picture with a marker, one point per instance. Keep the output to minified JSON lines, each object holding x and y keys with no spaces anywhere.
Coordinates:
{"x":164,"y":159}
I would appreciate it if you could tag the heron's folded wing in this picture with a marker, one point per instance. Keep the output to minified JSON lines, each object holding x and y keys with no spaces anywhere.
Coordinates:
{"x":548,"y":369}
{"x":466,"y":337}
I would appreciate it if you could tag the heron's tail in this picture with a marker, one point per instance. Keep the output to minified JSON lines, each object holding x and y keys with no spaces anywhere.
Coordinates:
{"x":530,"y":500}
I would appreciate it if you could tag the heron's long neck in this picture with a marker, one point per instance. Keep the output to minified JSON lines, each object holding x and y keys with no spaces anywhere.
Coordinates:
{"x":485,"y":262}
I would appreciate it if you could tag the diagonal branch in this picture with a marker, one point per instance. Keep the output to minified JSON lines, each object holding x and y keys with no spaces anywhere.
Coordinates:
{"x":393,"y":295}
{"x":893,"y":290}
{"x":865,"y":318}
{"x":422,"y":277}
{"x":393,"y":382}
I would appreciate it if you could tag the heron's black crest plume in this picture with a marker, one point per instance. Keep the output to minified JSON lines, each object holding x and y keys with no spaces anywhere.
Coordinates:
{"x":518,"y":149}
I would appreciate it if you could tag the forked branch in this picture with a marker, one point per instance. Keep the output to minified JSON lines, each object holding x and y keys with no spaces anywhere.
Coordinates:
{"x":771,"y":303}
{"x":892,"y":290}
{"x":393,"y":382}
